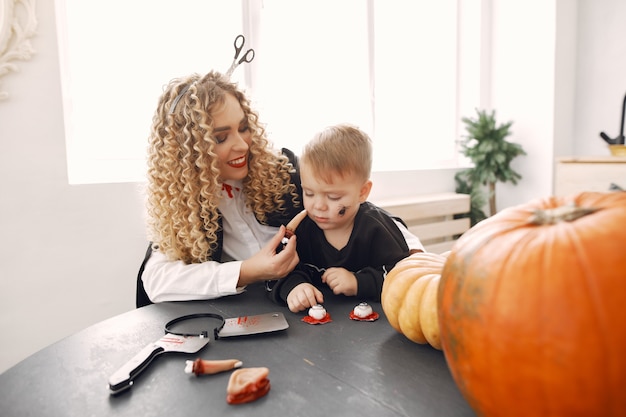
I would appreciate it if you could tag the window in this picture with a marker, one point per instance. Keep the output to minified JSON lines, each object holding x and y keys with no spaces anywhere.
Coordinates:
{"x":315,"y":68}
{"x":399,"y":69}
{"x":116,"y":56}
{"x":416,"y":84}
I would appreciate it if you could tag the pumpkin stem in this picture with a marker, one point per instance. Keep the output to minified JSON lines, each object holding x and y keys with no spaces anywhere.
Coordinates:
{"x":567,"y":213}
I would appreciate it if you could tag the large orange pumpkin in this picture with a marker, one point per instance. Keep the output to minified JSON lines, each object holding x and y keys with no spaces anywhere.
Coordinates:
{"x":409,"y":297}
{"x":532,"y":309}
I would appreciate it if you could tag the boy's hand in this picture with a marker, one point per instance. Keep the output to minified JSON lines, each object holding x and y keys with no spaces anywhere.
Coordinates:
{"x":341,"y":281}
{"x":304,"y":296}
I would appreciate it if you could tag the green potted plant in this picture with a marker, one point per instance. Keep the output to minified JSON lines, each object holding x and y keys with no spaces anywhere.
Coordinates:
{"x":491,"y":154}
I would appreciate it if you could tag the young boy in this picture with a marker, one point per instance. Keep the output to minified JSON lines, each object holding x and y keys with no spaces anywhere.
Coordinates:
{"x":345,"y":243}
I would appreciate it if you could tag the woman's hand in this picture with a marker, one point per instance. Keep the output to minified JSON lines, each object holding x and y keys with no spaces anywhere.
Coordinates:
{"x":267,"y":264}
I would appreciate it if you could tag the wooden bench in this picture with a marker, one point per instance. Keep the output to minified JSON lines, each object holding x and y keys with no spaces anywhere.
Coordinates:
{"x":430,"y":217}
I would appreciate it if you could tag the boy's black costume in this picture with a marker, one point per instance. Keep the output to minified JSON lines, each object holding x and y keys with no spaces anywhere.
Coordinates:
{"x":375,"y":246}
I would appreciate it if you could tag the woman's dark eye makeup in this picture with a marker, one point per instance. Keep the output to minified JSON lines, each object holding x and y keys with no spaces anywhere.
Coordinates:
{"x":223,"y":136}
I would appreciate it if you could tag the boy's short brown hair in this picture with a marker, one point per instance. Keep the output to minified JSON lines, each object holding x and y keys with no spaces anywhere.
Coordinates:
{"x":341,"y":149}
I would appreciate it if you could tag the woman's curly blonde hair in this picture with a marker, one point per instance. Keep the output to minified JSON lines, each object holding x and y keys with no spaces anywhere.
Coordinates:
{"x":184,"y":187}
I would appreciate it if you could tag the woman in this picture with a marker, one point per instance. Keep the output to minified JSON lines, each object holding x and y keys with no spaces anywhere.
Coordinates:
{"x":217,"y":192}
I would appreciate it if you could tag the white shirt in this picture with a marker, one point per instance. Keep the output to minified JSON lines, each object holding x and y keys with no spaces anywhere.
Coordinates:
{"x":243,"y":236}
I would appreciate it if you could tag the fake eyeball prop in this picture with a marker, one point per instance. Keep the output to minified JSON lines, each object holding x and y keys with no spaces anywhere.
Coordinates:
{"x":363,"y":312}
{"x":318,"y":312}
{"x":317,"y":315}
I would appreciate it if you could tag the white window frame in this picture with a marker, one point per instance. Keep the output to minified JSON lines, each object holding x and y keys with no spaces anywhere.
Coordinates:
{"x":89,"y":164}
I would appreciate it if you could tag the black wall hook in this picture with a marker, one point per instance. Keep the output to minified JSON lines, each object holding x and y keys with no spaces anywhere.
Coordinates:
{"x":620,"y":139}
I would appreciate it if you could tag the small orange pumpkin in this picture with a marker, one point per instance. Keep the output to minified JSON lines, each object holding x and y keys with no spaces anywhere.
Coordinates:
{"x":409,"y":297}
{"x":532,"y":309}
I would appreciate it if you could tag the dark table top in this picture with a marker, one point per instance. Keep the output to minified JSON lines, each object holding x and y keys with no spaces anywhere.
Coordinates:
{"x":342,"y":368}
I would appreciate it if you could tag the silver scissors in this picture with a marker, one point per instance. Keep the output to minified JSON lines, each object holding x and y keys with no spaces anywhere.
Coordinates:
{"x":248,"y":56}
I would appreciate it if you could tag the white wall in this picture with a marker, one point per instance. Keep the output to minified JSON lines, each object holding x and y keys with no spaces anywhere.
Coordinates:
{"x":600,"y":69}
{"x":523,"y":90}
{"x":559,"y":72}
{"x":69,"y":254}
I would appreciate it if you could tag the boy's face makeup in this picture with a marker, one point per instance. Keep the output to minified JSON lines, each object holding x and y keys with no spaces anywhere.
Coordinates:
{"x":332,"y":205}
{"x":232,"y":140}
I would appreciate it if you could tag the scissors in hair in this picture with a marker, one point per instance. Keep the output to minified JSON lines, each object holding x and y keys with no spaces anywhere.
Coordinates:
{"x":248,"y":56}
